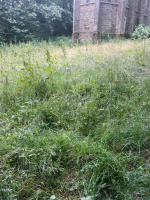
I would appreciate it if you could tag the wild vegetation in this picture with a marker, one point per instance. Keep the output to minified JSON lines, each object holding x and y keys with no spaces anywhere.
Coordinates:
{"x":74,"y":121}
{"x":25,"y":20}
{"x":141,"y":32}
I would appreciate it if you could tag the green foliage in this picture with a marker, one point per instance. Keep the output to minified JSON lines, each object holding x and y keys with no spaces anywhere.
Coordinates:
{"x":106,"y":175}
{"x":29,"y":19}
{"x":141,"y":32}
{"x":74,"y":122}
{"x":47,"y":116}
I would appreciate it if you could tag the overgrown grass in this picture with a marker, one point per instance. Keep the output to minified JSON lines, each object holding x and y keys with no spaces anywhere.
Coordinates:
{"x":74,"y":121}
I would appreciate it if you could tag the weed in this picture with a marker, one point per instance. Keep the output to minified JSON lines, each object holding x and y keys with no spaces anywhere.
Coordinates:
{"x":74,"y":120}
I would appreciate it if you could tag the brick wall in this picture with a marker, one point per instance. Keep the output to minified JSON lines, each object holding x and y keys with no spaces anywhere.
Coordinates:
{"x":87,"y":12}
{"x":76,"y":20}
{"x":108,"y":17}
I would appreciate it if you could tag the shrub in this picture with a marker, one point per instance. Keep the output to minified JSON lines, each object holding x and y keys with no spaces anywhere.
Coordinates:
{"x":141,"y":32}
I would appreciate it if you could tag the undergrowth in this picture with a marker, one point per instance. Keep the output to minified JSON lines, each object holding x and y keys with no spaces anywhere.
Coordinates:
{"x":74,"y":121}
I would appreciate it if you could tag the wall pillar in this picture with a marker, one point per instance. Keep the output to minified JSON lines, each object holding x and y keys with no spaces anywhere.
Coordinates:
{"x":76,"y":20}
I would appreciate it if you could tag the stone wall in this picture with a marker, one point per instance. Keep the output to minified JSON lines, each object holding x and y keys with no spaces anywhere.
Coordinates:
{"x":108,"y":17}
{"x":93,"y":18}
{"x":87,"y":12}
{"x":148,"y":13}
{"x":144,"y":12}
{"x":132,"y":16}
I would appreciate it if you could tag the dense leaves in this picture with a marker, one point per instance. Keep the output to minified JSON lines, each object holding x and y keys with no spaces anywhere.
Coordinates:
{"x":22,"y":20}
{"x":141,"y":32}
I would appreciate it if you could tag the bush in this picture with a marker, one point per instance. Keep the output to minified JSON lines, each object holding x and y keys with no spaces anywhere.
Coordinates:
{"x":141,"y":32}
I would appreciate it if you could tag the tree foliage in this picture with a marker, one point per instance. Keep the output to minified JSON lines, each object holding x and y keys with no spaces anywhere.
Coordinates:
{"x":22,"y":20}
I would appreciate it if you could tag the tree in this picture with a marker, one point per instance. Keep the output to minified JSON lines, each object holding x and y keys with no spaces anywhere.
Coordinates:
{"x":28,"y":19}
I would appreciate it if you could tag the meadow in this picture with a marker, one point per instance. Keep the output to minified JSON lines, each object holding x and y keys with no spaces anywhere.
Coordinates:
{"x":75,"y":121}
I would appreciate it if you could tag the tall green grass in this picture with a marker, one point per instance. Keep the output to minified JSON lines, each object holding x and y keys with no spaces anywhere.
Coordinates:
{"x":74,"y":121}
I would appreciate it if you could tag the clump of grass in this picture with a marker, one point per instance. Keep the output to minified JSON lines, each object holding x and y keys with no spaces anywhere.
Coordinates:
{"x":74,"y":120}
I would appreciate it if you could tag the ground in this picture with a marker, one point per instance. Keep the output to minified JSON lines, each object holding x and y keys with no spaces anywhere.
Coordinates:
{"x":74,"y":120}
